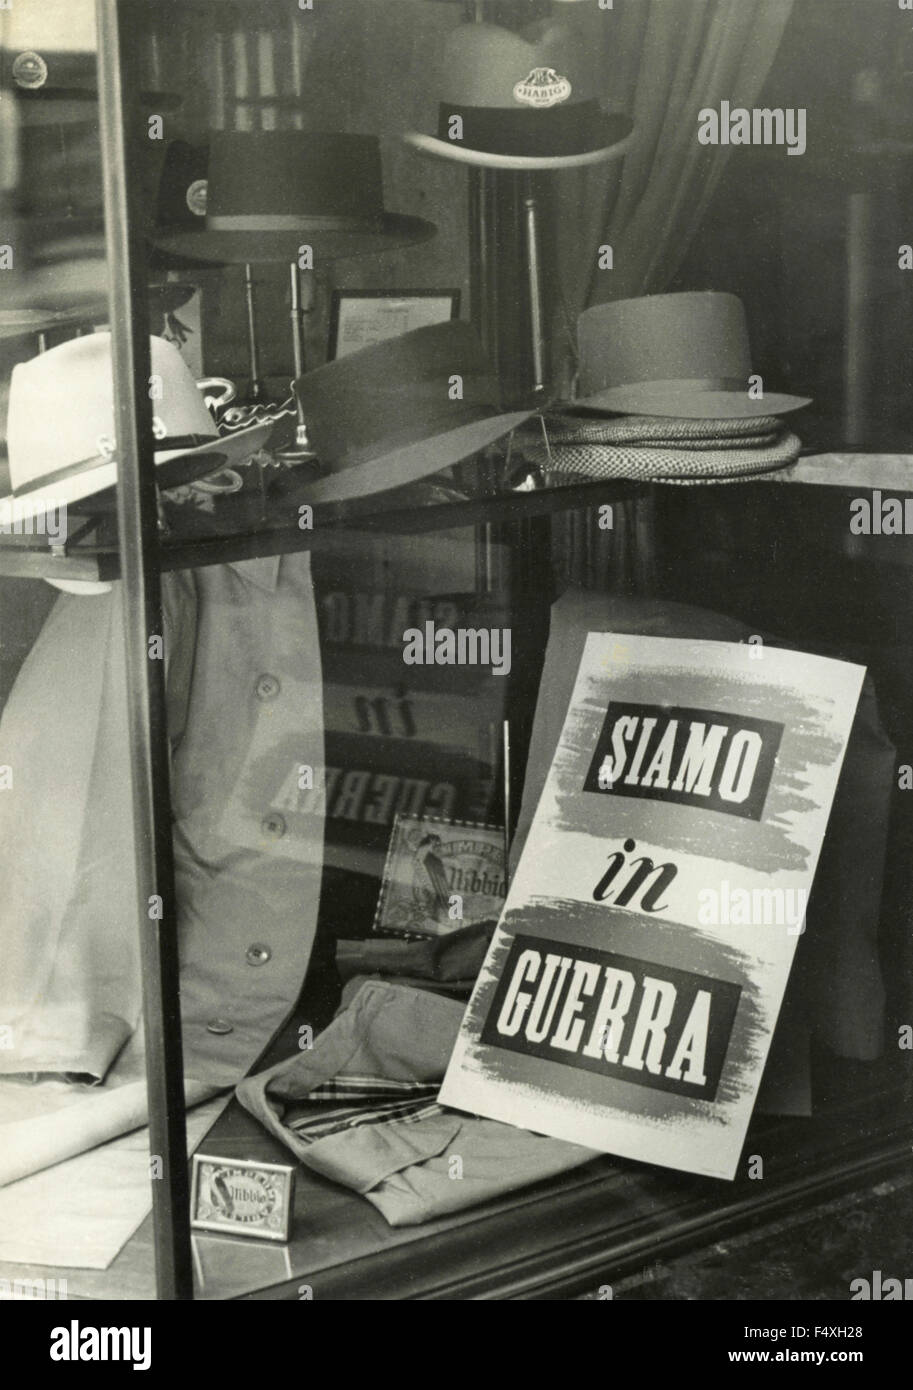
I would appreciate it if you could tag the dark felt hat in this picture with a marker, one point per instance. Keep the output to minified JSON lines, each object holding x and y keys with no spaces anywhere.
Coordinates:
{"x":400,"y":410}
{"x":681,"y":355}
{"x":270,"y":192}
{"x":180,"y":202}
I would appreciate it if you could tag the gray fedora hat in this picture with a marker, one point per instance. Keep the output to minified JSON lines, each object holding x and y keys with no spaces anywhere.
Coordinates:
{"x":390,"y":413}
{"x":682,"y":355}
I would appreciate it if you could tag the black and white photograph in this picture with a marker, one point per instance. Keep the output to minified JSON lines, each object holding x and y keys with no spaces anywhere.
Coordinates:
{"x":456,"y":667}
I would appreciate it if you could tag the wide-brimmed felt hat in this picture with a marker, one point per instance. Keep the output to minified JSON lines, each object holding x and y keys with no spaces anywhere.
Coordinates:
{"x":61,"y":432}
{"x":180,"y":201}
{"x":268,"y":193}
{"x":682,"y":355}
{"x":528,"y":100}
{"x":400,"y":410}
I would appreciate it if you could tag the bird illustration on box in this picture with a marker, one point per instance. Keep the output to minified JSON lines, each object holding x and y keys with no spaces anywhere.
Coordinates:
{"x":427,"y":855}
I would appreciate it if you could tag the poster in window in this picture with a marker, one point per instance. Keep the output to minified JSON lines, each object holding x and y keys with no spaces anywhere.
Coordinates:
{"x":633,"y":984}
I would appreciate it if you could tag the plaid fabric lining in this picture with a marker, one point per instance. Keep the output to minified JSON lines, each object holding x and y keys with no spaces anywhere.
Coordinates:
{"x":379,"y":1100}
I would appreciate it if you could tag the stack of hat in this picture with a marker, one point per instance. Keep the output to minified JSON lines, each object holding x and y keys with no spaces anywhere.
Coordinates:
{"x":667,"y":394}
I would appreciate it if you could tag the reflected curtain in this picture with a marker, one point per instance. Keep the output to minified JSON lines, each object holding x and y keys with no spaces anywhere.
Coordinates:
{"x":665,"y":61}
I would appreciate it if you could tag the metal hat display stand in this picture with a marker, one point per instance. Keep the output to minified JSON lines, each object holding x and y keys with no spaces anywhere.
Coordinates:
{"x":257,"y":393}
{"x":299,"y":451}
{"x":256,"y":390}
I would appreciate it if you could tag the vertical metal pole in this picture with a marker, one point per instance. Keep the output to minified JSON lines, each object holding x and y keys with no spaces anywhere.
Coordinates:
{"x":142,"y":616}
{"x":481,"y":243}
{"x":534,"y":281}
{"x":301,"y":448}
{"x":256,"y":385}
{"x":297,"y":317}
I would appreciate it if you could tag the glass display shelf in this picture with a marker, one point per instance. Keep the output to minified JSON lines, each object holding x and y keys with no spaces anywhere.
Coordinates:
{"x":269,"y":515}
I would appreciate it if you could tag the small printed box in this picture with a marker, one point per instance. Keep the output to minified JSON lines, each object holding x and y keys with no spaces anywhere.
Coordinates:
{"x":440,"y":875}
{"x":242,"y":1198}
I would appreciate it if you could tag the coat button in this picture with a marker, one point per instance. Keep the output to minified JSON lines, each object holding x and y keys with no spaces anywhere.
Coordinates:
{"x":258,"y":954}
{"x":268,"y":687}
{"x":273,"y":825}
{"x":219,"y":1025}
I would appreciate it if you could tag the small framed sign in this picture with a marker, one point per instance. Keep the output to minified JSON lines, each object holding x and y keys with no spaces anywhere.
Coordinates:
{"x":242,"y":1198}
{"x":440,"y":875}
{"x":359,"y":318}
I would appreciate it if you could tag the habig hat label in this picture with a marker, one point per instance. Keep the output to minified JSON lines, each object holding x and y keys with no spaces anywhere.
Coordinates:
{"x":543,"y":87}
{"x":196,"y":197}
{"x":30,"y":71}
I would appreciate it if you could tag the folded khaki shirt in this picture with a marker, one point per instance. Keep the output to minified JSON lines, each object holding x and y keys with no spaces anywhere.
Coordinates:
{"x":449,"y":963}
{"x":393,"y":1043}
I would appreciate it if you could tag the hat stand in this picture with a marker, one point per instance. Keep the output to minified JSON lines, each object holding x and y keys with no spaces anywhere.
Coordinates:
{"x":256,"y":390}
{"x":534,"y":284}
{"x":300,"y":451}
{"x":483,"y":214}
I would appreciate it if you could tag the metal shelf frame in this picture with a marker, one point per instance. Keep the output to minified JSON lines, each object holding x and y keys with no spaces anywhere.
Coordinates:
{"x":137,"y":527}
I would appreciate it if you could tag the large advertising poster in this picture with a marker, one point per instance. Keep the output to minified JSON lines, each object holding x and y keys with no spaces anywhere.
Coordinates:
{"x":632,"y":987}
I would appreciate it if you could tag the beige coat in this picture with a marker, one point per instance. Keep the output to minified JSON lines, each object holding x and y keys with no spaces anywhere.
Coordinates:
{"x":246,"y":725}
